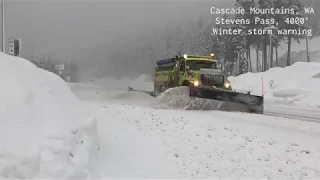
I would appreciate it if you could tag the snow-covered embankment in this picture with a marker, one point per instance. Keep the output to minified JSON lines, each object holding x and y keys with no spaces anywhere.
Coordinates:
{"x":44,"y":130}
{"x":297,"y":84}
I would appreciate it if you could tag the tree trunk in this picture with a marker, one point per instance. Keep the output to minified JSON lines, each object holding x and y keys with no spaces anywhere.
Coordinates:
{"x":271,"y":57}
{"x":277,"y":62}
{"x":249,"y":59}
{"x":238,"y":64}
{"x":289,"y":51}
{"x":265,"y":55}
{"x":307,"y":44}
{"x":262,"y":60}
{"x":258,"y":60}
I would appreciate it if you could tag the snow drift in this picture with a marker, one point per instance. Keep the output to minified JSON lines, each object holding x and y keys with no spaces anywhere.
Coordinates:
{"x":297,"y":84}
{"x":178,"y":98}
{"x":44,"y":130}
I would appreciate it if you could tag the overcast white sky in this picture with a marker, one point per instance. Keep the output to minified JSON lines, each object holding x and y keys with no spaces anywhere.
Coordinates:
{"x":51,"y":25}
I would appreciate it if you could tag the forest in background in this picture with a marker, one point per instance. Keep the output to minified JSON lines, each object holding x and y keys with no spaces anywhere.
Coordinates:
{"x":234,"y":51}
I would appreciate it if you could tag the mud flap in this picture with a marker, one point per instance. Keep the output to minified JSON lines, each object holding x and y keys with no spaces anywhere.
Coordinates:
{"x":235,"y":101}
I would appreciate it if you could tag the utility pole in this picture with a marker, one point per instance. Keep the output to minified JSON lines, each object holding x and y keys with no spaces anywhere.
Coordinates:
{"x":3,"y":36}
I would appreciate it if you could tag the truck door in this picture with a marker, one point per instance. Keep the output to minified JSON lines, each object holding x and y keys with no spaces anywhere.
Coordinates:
{"x":182,"y":71}
{"x":175,"y":73}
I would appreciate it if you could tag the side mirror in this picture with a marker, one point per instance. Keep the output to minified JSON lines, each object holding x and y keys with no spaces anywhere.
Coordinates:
{"x":177,"y":63}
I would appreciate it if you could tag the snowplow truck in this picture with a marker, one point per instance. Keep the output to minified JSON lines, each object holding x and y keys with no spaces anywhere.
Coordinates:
{"x":205,"y":80}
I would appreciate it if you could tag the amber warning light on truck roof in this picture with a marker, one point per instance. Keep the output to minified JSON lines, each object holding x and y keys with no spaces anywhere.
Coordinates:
{"x":211,"y":54}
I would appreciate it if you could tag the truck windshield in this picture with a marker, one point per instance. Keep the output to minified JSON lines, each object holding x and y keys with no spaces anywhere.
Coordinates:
{"x":197,"y":65}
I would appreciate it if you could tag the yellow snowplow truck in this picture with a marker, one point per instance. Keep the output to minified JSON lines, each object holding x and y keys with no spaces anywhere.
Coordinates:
{"x":204,"y":79}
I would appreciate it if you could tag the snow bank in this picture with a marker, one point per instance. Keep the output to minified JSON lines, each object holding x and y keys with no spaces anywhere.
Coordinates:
{"x":143,"y":82}
{"x":179,"y":98}
{"x":176,"y":144}
{"x":297,"y":84}
{"x":44,"y":130}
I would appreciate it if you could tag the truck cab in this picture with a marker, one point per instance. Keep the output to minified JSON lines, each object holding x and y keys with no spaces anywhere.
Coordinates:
{"x":196,"y":71}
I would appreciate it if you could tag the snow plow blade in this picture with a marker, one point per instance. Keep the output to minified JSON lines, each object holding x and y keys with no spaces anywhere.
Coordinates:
{"x":235,"y":101}
{"x":151,"y":93}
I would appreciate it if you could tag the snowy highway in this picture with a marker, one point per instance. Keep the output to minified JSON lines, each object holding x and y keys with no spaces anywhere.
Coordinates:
{"x":270,"y":108}
{"x":138,"y":141}
{"x":301,"y":113}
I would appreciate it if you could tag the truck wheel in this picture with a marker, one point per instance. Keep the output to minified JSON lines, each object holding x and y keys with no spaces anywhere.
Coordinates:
{"x":171,"y":84}
{"x":158,"y":89}
{"x":185,"y":83}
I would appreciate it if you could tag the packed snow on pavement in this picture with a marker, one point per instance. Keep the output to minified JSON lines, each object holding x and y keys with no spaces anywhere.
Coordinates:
{"x":144,"y":142}
{"x":45,"y":132}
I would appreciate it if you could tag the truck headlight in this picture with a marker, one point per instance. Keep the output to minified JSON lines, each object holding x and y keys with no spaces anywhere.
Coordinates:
{"x":196,"y":83}
{"x":227,"y":85}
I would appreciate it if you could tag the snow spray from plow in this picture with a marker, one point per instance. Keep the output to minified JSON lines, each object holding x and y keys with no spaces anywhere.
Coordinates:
{"x":189,"y":98}
{"x":179,"y":98}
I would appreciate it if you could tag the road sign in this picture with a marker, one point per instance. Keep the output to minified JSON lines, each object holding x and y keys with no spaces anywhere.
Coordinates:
{"x":14,"y":46}
{"x":59,"y":67}
{"x":11,"y":46}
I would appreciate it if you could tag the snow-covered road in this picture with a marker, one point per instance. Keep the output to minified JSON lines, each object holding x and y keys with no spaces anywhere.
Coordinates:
{"x":138,"y":141}
{"x":301,"y":113}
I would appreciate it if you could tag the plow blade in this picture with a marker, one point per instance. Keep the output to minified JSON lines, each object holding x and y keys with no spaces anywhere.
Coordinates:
{"x":234,"y":101}
{"x":151,"y":93}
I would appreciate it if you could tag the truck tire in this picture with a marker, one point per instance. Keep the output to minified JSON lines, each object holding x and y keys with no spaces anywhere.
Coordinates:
{"x":158,"y":89}
{"x":185,"y":83}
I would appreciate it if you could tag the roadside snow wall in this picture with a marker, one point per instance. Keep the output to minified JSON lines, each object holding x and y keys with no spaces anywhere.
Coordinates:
{"x":44,"y":131}
{"x":297,"y":84}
